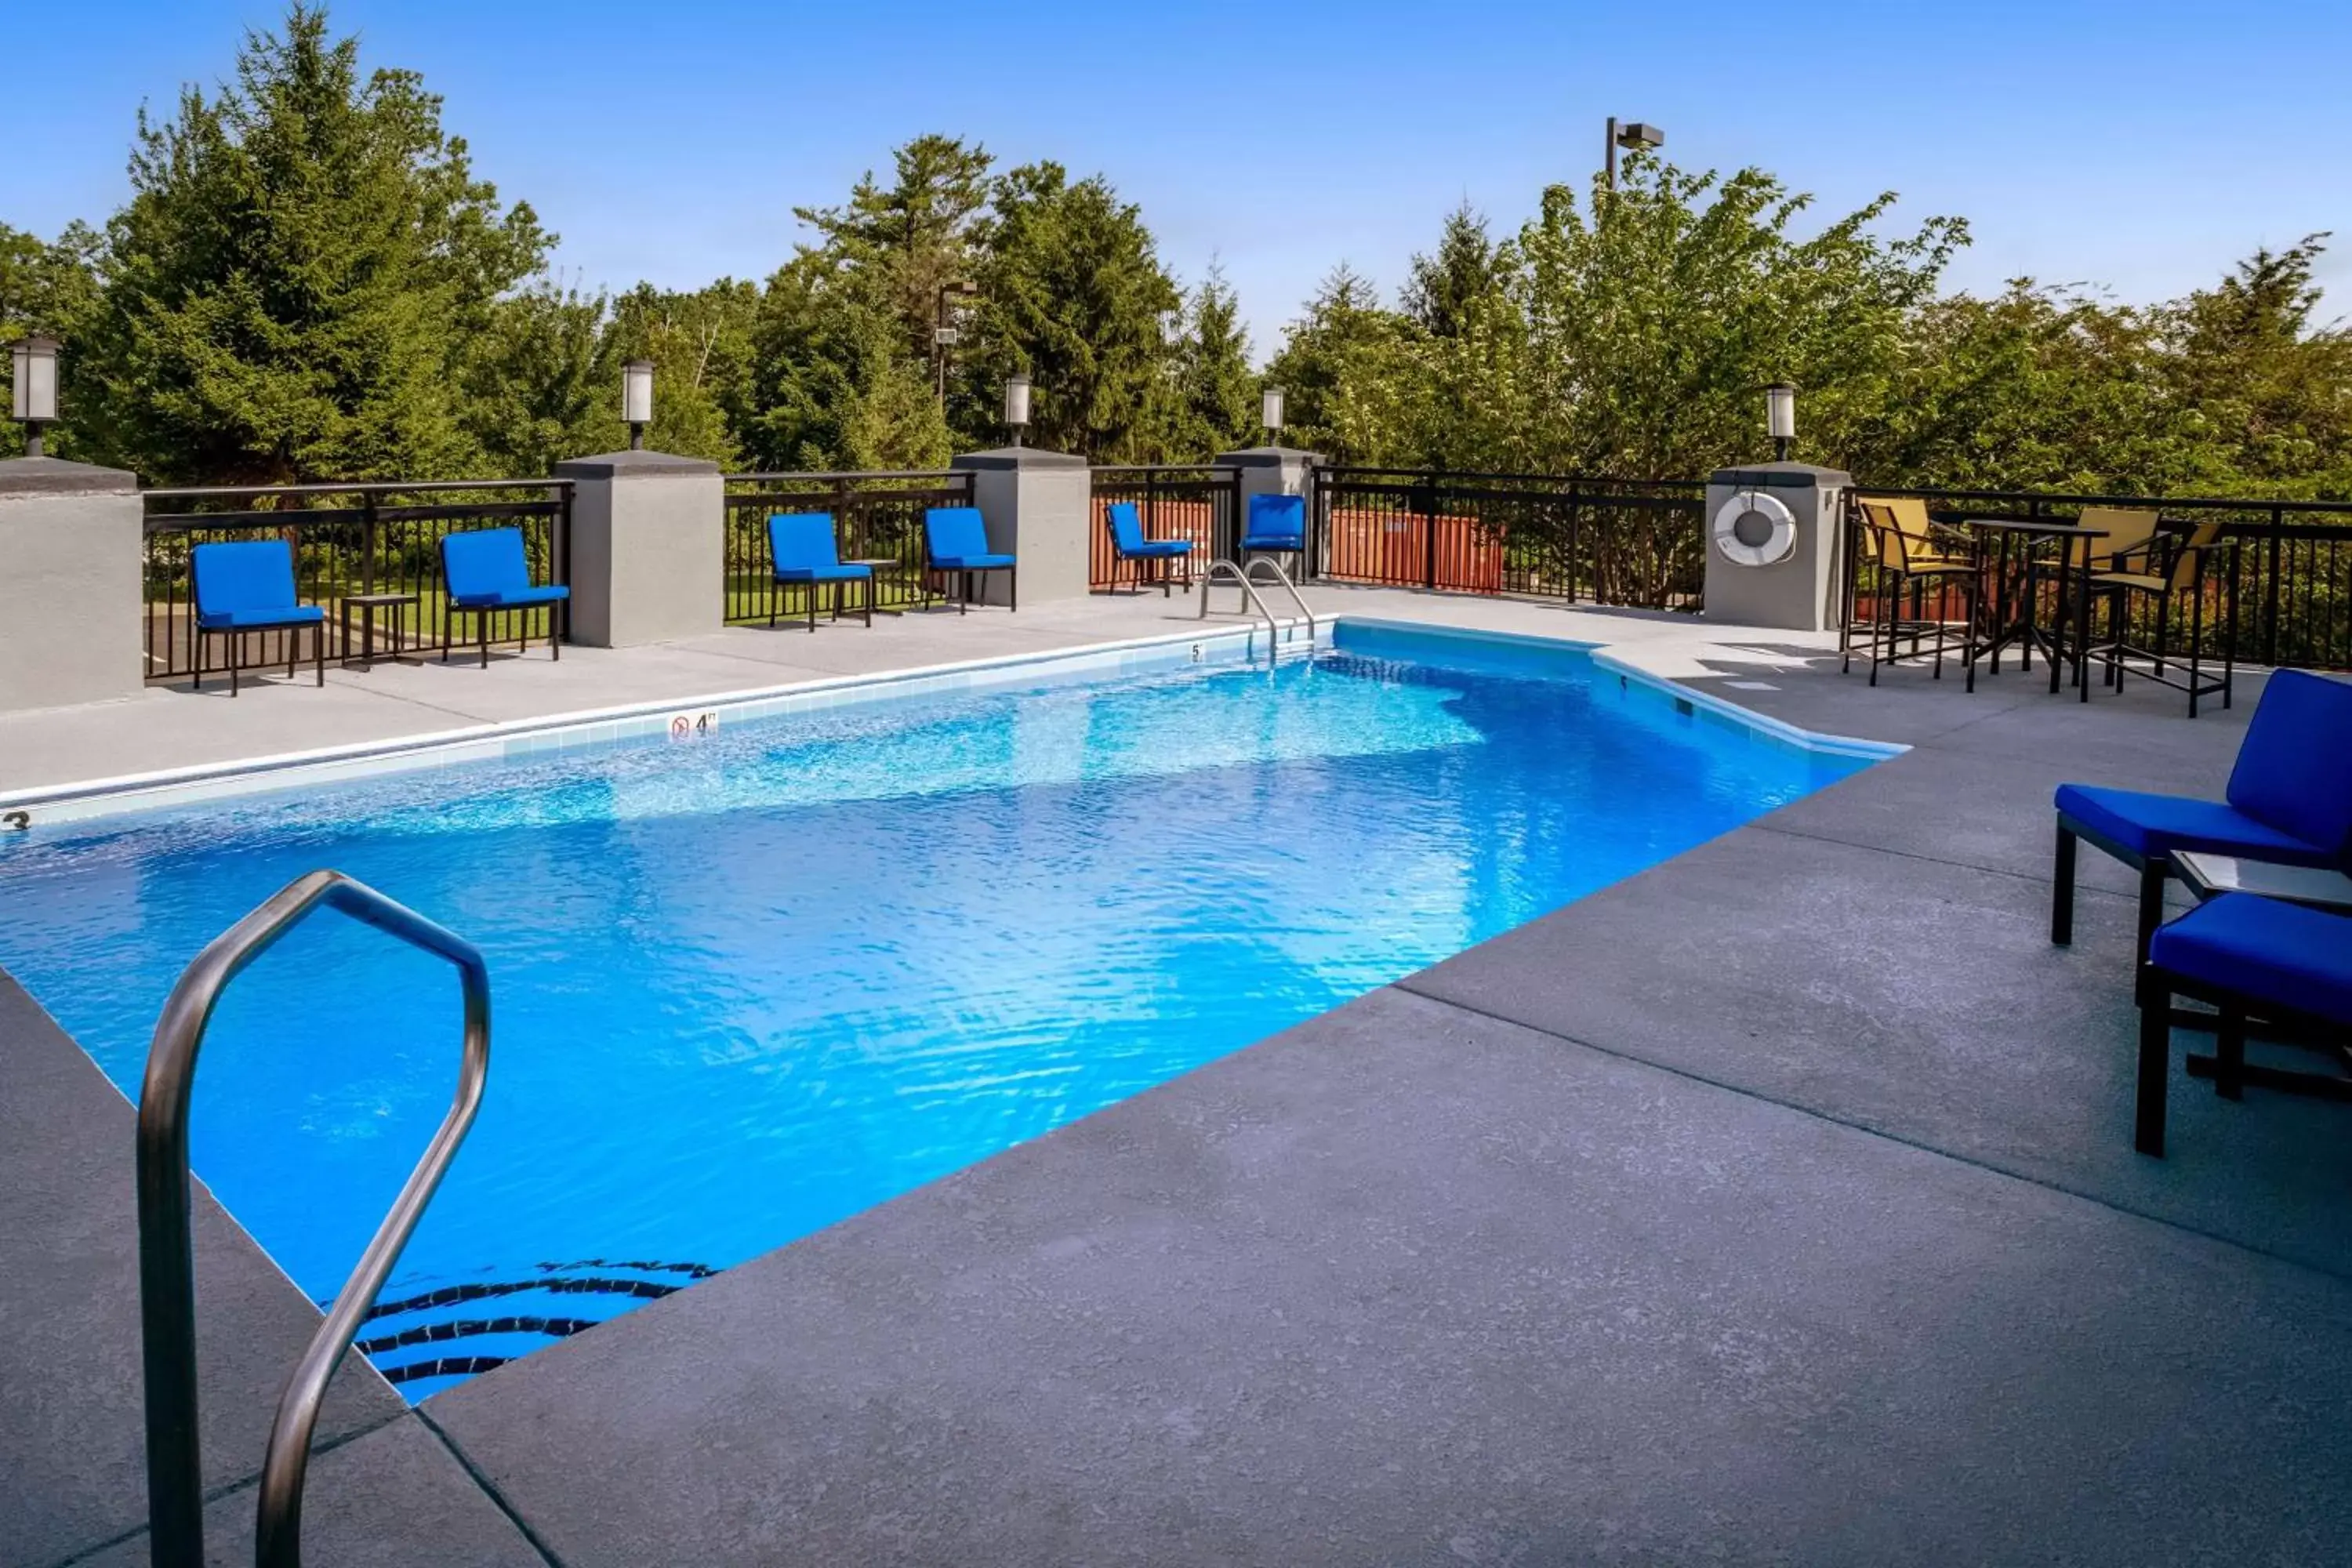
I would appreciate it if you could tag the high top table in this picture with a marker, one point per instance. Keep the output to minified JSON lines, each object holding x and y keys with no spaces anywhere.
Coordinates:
{"x":2024,"y":537}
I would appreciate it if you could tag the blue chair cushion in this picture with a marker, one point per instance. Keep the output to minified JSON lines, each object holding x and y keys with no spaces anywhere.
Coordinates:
{"x":480,"y":565}
{"x":832,"y":574}
{"x":2294,"y":766}
{"x":286,"y":616}
{"x":247,"y":578}
{"x":1276,"y":522}
{"x":2154,"y":826}
{"x":2266,"y":951}
{"x":511,"y":598}
{"x":1160,"y":549}
{"x":956,"y":538}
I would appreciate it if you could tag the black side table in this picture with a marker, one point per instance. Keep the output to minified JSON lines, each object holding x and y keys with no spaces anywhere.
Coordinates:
{"x":367,"y":604}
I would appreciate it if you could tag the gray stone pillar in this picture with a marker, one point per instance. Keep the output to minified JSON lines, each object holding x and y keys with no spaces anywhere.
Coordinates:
{"x":1038,"y":505}
{"x":1775,"y":543}
{"x":649,"y":557}
{"x":1274,"y":470}
{"x":70,"y":599}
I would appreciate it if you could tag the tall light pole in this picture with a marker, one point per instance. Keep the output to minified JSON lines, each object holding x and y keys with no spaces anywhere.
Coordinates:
{"x":1630,"y":137}
{"x":943,"y":328}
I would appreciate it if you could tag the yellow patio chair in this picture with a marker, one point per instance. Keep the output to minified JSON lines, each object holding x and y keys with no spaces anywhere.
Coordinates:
{"x":2169,"y":567}
{"x":1901,"y":544}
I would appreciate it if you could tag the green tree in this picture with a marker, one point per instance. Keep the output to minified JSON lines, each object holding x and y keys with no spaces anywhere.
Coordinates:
{"x":537,"y":382}
{"x":293,"y":287}
{"x":1444,"y":288}
{"x":1216,"y":390}
{"x":916,"y":236}
{"x":833,"y":384}
{"x":1073,"y":293}
{"x":1352,"y":389}
{"x":51,"y":287}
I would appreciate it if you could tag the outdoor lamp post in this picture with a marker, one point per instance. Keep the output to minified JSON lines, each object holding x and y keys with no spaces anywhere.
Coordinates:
{"x":1780,"y":417}
{"x":1016,"y":405}
{"x":638,"y":400}
{"x":33,"y":400}
{"x":944,"y":332}
{"x":1629,"y":136}
{"x":1270,"y":415}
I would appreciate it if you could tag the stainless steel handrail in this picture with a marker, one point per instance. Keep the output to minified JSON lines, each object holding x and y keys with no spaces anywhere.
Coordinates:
{"x":167,"y":1282}
{"x":1282,"y":577}
{"x":1241,"y":578}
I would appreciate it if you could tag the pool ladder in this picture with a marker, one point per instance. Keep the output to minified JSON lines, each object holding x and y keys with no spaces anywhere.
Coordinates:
{"x":167,"y":1283}
{"x":1239,"y":576}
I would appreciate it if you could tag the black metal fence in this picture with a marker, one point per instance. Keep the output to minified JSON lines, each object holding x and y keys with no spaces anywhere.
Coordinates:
{"x":878,"y":518}
{"x":348,"y":540}
{"x":2290,"y":577}
{"x":1201,"y":503}
{"x":1605,"y":542}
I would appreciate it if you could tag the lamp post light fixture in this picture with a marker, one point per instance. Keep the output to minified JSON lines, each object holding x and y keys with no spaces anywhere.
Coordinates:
{"x":1631,"y":135}
{"x":1780,"y":419}
{"x":1270,"y":415}
{"x":33,"y":400}
{"x":1016,"y":405}
{"x":638,"y":400}
{"x":944,"y":332}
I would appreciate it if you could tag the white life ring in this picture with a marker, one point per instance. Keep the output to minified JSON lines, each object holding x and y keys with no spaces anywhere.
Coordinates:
{"x":1780,"y":523}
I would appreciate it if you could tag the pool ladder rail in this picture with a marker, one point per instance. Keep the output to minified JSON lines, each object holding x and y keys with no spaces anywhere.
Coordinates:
{"x":1240,"y":576}
{"x":167,"y":1285}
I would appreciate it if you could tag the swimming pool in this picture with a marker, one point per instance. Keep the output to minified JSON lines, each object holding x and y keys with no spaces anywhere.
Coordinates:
{"x":749,"y":984}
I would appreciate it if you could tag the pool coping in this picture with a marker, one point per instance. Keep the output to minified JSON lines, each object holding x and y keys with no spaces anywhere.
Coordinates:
{"x":164,"y":789}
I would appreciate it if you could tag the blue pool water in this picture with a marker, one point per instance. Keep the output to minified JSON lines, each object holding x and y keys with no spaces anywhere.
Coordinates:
{"x":750,"y":985}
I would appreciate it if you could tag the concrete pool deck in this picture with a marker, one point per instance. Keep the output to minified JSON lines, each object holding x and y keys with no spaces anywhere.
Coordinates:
{"x":1774,"y":1205}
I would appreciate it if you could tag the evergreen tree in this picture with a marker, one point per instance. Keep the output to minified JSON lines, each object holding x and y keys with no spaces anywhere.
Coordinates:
{"x":1344,"y":372}
{"x":919,"y":234}
{"x":1444,"y":288}
{"x":1074,"y":294}
{"x":292,"y":290}
{"x":833,"y":385}
{"x":1216,"y":390}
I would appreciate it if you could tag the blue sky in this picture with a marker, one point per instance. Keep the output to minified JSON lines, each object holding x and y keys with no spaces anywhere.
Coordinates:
{"x":2141,"y":147}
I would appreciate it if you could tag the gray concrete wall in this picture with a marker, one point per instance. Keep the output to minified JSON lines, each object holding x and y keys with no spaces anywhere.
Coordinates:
{"x":69,"y":584}
{"x":1038,"y":505}
{"x":1798,"y":592}
{"x":648,"y":547}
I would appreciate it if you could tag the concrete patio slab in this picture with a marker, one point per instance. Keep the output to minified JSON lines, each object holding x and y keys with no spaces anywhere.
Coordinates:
{"x":394,"y":1498}
{"x":1407,"y":1285}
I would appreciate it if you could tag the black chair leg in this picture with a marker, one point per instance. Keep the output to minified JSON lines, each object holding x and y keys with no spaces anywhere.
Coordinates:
{"x":555,"y":631}
{"x":2230,"y":1053}
{"x":319,"y":648}
{"x":482,"y":628}
{"x":1013,"y":588}
{"x":2154,"y":1063}
{"x":2062,"y":889}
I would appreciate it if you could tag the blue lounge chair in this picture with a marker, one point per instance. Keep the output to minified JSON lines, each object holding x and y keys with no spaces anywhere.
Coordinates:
{"x":2289,"y":799}
{"x":2288,"y":965}
{"x":1128,"y":544}
{"x":1276,"y":526}
{"x":485,"y":572}
{"x":248,"y":586}
{"x":957,"y":541}
{"x":802,"y":551}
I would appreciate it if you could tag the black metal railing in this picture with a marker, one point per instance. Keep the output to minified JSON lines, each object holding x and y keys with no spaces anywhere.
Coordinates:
{"x":348,"y":540}
{"x":2290,"y":577}
{"x":878,"y":518}
{"x":1606,"y":542}
{"x":1198,"y":503}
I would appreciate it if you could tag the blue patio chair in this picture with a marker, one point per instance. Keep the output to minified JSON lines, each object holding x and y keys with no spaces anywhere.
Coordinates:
{"x":1128,"y":544}
{"x":802,"y":551}
{"x":248,"y":586}
{"x":2285,"y":965}
{"x":485,"y":572}
{"x":956,"y":541}
{"x":2289,"y":799}
{"x":1276,"y":525}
